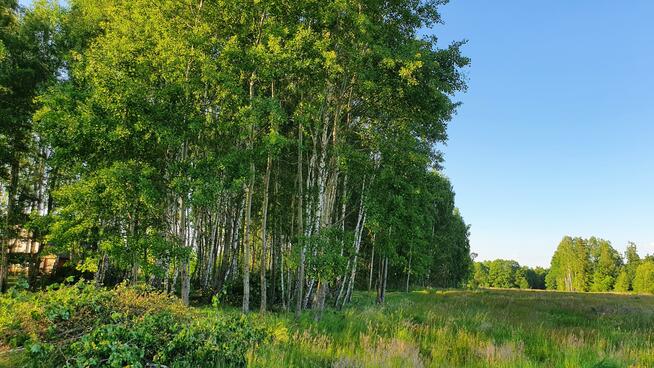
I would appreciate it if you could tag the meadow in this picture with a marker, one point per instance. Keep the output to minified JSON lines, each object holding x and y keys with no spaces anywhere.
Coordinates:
{"x":455,"y":328}
{"x":485,"y":328}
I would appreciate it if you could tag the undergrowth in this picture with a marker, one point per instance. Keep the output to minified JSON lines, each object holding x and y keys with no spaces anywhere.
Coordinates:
{"x":83,"y":325}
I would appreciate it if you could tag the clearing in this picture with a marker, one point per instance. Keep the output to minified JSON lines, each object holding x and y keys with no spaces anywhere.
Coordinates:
{"x":486,"y":328}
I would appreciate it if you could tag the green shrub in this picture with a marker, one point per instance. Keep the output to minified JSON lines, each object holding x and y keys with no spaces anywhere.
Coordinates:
{"x":83,"y":325}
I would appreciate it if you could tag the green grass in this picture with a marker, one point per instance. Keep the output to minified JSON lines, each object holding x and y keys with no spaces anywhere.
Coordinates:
{"x":489,"y":328}
{"x":10,"y":359}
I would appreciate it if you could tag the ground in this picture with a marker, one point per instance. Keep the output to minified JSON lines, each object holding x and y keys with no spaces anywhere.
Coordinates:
{"x":486,"y":328}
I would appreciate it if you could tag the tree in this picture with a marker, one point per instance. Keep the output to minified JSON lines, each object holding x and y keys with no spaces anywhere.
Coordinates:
{"x":506,"y":274}
{"x":625,"y":279}
{"x":606,"y":263}
{"x":192,"y":144}
{"x":502,"y":273}
{"x":536,"y":277}
{"x":451,"y":258}
{"x":570,"y":268}
{"x":622,"y":282}
{"x":644,"y":278}
{"x":520,"y":277}
{"x":29,"y":63}
{"x":480,"y":275}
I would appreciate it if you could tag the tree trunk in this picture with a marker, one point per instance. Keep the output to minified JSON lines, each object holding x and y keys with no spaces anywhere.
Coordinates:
{"x":383,"y":273}
{"x":341,"y":287}
{"x":378,"y":284}
{"x":299,"y":289}
{"x":9,"y":231}
{"x":173,"y":282}
{"x":341,"y":280}
{"x":134,"y":273}
{"x":307,"y":297}
{"x":185,"y":281}
{"x":247,"y":256}
{"x":408,"y":273}
{"x":321,"y":295}
{"x":230,"y":244}
{"x":215,"y":241}
{"x":103,"y":266}
{"x":372,"y":264}
{"x":327,"y":189}
{"x":40,"y":205}
{"x":233,"y":265}
{"x":358,"y":233}
{"x":264,"y":241}
{"x":281,"y":277}
{"x":184,"y":264}
{"x":357,"y":246}
{"x":274,"y":266}
{"x":33,"y":269}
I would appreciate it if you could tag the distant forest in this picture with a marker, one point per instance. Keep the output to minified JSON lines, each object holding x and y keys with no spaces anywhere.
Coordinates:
{"x":577,"y":265}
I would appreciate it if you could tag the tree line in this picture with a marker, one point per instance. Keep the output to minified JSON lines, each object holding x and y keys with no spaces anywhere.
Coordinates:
{"x":284,"y":152}
{"x":502,"y":273}
{"x":578,"y":264}
{"x":594,"y":265}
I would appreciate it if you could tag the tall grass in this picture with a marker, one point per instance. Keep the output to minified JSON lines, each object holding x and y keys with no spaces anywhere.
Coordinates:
{"x":488,"y":328}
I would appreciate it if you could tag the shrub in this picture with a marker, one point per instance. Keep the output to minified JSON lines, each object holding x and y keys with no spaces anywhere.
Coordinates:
{"x":83,"y":325}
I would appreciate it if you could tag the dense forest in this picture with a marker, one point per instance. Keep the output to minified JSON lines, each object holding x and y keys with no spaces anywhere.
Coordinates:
{"x":279,"y":153}
{"x":578,"y":264}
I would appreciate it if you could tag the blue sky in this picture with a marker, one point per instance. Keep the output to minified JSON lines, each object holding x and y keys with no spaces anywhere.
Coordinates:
{"x":556,"y":133}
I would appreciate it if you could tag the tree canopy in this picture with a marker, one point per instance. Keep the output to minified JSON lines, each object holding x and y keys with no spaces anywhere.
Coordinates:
{"x":191,"y":145}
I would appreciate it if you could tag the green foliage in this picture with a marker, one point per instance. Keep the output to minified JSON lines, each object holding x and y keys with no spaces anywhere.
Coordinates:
{"x":96,"y":212}
{"x":148,"y":127}
{"x":644,"y":278}
{"x":83,"y":325}
{"x":480,"y":275}
{"x":606,"y":264}
{"x":625,"y":279}
{"x":521,"y":279}
{"x":325,"y":260}
{"x":28,"y":64}
{"x":536,"y":277}
{"x":571,"y":268}
{"x":622,"y":282}
{"x":589,"y":265}
{"x":502,"y":273}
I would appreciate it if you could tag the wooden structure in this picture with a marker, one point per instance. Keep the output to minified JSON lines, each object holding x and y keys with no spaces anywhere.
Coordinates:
{"x":25,"y":245}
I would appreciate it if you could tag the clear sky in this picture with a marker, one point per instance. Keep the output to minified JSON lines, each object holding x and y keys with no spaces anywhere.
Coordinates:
{"x":556,"y":133}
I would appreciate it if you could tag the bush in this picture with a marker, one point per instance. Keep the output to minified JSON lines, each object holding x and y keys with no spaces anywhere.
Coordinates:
{"x":82,"y":325}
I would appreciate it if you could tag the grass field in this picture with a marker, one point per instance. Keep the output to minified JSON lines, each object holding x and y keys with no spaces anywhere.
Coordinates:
{"x":487,"y":328}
